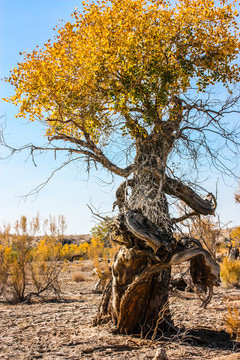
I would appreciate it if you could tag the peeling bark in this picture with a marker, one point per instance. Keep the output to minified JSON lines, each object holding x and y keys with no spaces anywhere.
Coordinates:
{"x":138,"y":296}
{"x":137,"y":300}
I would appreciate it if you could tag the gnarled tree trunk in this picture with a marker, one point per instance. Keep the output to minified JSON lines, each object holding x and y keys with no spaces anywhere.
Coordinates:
{"x":138,"y":295}
{"x":139,"y":292}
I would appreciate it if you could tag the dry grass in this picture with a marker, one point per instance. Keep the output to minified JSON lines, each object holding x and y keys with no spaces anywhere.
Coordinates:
{"x":78,"y":277}
{"x":63,"y":329}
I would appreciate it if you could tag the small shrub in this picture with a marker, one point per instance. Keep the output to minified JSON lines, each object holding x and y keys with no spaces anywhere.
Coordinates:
{"x":235,"y":236}
{"x":86,"y":267}
{"x":45,"y":268}
{"x":233,"y":322}
{"x":77,"y":277}
{"x":18,"y":258}
{"x":230,"y":271}
{"x":67,"y":252}
{"x":4,"y":270}
{"x":28,"y":269}
{"x":96,"y":250}
{"x":101,"y":247}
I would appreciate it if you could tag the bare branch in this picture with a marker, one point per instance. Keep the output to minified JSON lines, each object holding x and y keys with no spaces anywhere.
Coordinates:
{"x":184,"y":217}
{"x":96,"y":214}
{"x":94,"y":153}
{"x":86,"y":148}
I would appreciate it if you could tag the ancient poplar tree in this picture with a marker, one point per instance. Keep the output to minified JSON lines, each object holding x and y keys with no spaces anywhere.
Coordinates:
{"x":139,"y":74}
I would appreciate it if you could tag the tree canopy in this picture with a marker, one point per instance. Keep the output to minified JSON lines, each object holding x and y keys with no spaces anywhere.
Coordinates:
{"x":129,"y":66}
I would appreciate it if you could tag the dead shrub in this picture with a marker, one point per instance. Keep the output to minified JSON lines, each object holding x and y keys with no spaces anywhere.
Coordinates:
{"x":45,"y":268}
{"x":77,"y":277}
{"x":87,"y":266}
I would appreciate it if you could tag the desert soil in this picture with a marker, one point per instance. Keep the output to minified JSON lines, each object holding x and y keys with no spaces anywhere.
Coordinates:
{"x":63,"y":329}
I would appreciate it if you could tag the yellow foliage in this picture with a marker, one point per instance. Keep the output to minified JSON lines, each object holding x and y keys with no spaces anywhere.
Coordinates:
{"x":27,"y":269}
{"x":84,"y":248}
{"x":233,"y":322}
{"x":67,"y":251}
{"x":119,"y":53}
{"x":230,"y":271}
{"x":96,"y":250}
{"x":235,"y":235}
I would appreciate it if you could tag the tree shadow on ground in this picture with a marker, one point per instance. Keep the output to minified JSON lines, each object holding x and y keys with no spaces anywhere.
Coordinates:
{"x":206,"y":337}
{"x":41,"y":300}
{"x":64,"y":300}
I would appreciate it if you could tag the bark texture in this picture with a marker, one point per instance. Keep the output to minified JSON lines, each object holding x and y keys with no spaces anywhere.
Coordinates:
{"x":137,"y":297}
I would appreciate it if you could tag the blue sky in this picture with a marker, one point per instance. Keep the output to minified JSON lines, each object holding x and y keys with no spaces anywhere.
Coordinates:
{"x":23,"y":25}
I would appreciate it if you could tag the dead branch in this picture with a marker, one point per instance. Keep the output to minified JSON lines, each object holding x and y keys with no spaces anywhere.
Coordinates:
{"x":144,"y":229}
{"x":184,"y":217}
{"x":191,"y":198}
{"x":121,"y":193}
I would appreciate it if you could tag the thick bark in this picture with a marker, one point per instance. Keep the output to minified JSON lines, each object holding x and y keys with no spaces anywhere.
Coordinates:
{"x":147,"y":192}
{"x":138,"y":300}
{"x":145,"y":298}
{"x":140,"y":282}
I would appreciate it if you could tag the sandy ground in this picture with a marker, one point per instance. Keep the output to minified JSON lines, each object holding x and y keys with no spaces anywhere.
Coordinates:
{"x":63,"y":329}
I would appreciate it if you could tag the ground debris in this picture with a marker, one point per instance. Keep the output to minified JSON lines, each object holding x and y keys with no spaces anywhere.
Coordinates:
{"x":62,"y":330}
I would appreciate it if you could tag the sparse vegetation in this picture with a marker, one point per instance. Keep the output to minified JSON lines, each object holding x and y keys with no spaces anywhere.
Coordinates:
{"x":30,"y":265}
{"x":46,"y":255}
{"x":28,"y":268}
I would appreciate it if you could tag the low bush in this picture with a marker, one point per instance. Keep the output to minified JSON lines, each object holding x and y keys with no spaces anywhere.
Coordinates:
{"x":77,"y":277}
{"x":28,"y":269}
{"x":232,"y":321}
{"x":230,"y":272}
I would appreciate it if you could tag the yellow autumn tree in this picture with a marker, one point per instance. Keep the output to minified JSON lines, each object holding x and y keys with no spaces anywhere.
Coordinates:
{"x":135,"y":76}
